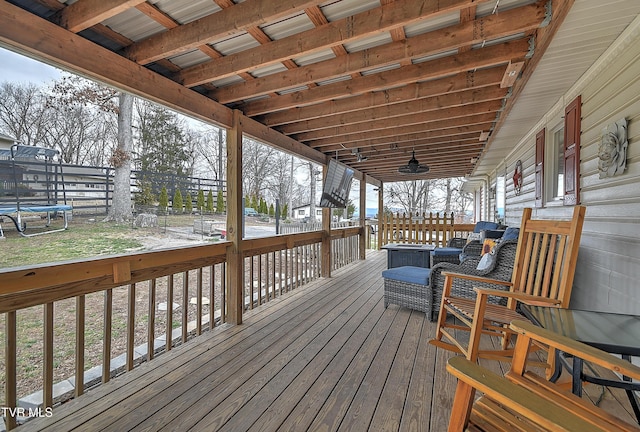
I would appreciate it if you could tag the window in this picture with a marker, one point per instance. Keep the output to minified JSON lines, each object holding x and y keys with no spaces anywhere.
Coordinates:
{"x":301,"y":212}
{"x":560,"y":179}
{"x":500,"y":198}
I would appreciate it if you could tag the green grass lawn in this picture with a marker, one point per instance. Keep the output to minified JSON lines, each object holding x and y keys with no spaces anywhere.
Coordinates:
{"x":82,"y":239}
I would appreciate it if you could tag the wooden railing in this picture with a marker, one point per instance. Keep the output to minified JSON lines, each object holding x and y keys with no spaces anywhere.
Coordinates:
{"x":425,"y":228}
{"x":107,"y":308}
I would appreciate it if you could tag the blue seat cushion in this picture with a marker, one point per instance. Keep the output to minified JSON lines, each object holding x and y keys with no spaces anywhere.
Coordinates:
{"x":446,"y":251}
{"x":409,"y":274}
{"x":511,"y":233}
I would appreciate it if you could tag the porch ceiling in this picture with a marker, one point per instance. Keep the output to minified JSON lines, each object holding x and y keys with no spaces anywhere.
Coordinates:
{"x":363,"y":81}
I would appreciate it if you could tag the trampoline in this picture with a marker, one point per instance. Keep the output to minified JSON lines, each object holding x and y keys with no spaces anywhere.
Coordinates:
{"x":48,"y":205}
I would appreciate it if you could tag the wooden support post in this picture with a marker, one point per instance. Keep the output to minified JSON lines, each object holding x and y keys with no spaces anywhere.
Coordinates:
{"x":381,"y":215}
{"x":234,"y":220}
{"x":326,"y":234}
{"x":363,"y":213}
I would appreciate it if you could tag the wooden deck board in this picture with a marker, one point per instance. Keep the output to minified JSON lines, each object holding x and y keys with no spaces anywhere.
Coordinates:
{"x":324,"y":357}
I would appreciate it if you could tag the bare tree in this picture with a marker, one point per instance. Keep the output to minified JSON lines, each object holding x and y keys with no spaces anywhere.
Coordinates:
{"x":257,"y":159}
{"x":280,"y":178}
{"x":23,"y":112}
{"x":211,"y":152}
{"x":412,"y":196}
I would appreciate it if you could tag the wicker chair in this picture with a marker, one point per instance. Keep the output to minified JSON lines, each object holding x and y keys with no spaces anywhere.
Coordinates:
{"x":500,"y":267}
{"x":458,"y":245}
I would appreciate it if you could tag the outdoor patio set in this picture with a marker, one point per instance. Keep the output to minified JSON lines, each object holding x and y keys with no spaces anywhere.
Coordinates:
{"x":491,"y":291}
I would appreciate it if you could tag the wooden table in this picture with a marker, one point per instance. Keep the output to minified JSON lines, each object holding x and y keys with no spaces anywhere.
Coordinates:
{"x":610,"y":332}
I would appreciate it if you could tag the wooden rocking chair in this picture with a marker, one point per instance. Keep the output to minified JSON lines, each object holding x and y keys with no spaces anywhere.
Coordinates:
{"x":543,"y":274}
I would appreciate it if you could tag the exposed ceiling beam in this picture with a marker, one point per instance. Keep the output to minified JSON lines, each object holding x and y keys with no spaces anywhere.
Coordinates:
{"x":212,"y":27}
{"x":483,"y":29}
{"x":460,"y":82}
{"x":437,"y":68}
{"x":397,"y":110}
{"x":419,"y":118}
{"x":400,"y":12}
{"x":83,"y":14}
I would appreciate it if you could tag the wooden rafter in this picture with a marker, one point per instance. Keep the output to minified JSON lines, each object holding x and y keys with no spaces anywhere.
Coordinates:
{"x":317,"y":79}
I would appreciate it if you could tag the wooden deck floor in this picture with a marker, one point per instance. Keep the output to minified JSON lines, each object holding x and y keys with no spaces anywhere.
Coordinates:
{"x":327,"y":357}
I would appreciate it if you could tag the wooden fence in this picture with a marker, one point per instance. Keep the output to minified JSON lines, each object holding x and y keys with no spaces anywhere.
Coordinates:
{"x":425,"y":228}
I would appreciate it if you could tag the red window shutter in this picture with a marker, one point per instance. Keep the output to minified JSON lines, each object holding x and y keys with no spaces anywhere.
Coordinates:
{"x":539,"y":171}
{"x":572,"y":127}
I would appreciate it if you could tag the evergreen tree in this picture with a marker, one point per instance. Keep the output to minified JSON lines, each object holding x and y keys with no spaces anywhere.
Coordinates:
{"x":163,"y":141}
{"x":220,"y":202}
{"x":210,"y":202}
{"x":177,"y":202}
{"x":145,"y":196}
{"x":263,"y":206}
{"x":272,"y":211}
{"x":200,"y":202}
{"x":188,"y":204}
{"x":285,"y":211}
{"x":163,"y":201}
{"x":254,"y":203}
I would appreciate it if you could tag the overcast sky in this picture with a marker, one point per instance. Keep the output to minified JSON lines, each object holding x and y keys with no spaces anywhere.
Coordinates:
{"x":20,"y":69}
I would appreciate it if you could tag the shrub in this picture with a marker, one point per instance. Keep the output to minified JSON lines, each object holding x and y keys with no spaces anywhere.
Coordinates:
{"x":177,"y":202}
{"x":163,"y":200}
{"x":188,"y":204}
{"x":220,"y":202}
{"x":210,"y":202}
{"x":200,"y":202}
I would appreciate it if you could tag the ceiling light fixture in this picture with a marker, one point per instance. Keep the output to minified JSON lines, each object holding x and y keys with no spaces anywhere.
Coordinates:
{"x":413,"y":167}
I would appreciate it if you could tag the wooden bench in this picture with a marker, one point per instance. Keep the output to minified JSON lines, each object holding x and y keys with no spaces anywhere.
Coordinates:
{"x":523,"y":400}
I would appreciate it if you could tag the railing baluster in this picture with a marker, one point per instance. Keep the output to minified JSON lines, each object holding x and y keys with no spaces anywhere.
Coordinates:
{"x":168,"y":343}
{"x":286,"y":270}
{"x":223,"y":294}
{"x":10,"y":367}
{"x":251,"y":287}
{"x":267,"y":277}
{"x":273,"y":272}
{"x":47,"y":369}
{"x":185,"y":305}
{"x":131,"y":324}
{"x":280,"y":271}
{"x":151,"y":320}
{"x":305,"y":263}
{"x":199,"y":303}
{"x":80,"y":325}
{"x":106,"y":340}
{"x":212,"y":297}
{"x":260,"y":279}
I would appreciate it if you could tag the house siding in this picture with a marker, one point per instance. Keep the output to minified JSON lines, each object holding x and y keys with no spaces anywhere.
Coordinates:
{"x":608,"y":267}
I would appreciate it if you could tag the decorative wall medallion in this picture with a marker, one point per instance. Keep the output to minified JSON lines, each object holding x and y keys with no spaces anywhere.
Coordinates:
{"x":517,"y":178}
{"x":612,"y":152}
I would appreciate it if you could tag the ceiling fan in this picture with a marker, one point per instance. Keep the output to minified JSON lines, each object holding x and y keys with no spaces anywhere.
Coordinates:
{"x":413,"y":167}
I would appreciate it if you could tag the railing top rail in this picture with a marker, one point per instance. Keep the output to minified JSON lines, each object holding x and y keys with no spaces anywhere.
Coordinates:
{"x":32,"y":285}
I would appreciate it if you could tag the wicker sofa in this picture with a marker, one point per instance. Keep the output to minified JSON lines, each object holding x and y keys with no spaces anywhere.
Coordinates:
{"x":498,"y":265}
